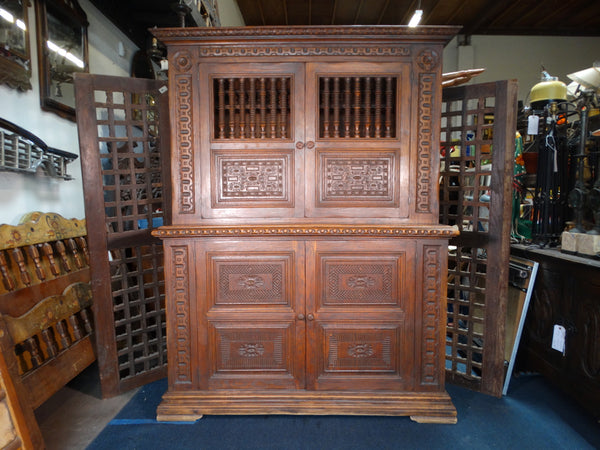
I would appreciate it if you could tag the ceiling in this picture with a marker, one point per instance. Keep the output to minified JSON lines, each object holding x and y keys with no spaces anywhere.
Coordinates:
{"x":504,"y":17}
{"x":508,"y":17}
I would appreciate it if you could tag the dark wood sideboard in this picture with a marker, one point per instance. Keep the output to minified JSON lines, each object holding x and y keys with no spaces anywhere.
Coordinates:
{"x":305,"y":265}
{"x":566,"y":293}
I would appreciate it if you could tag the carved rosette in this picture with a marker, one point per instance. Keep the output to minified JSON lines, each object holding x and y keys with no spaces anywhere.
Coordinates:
{"x":430,"y":348}
{"x":181,"y":300}
{"x":182,"y":61}
{"x":428,"y":60}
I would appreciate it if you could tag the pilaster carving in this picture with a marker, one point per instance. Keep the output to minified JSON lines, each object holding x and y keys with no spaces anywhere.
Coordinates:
{"x":431,"y":316}
{"x":183,"y":110}
{"x":424,"y":158}
{"x":183,"y":368}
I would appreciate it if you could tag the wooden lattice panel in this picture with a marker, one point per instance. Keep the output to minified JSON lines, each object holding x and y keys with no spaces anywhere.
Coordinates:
{"x":120,"y":124}
{"x":138,"y":307}
{"x":477,"y":140}
{"x":127,"y":125}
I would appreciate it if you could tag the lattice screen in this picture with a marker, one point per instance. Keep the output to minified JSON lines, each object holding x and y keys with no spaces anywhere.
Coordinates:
{"x":478,"y":134}
{"x":121,"y":122}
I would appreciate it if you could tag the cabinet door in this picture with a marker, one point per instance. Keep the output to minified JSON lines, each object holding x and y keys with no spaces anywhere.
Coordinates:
{"x":357,"y":139}
{"x":250,"y":310}
{"x":360,"y":315}
{"x":251,"y":120}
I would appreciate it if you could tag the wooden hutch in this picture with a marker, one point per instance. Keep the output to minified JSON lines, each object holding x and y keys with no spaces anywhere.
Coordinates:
{"x":305,"y":265}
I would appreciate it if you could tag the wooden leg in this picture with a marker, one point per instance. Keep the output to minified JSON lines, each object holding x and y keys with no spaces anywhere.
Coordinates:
{"x":434,"y":419}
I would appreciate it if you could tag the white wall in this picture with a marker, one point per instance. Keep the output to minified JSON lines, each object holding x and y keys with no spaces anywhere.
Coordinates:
{"x":229,"y":14}
{"x":521,"y":58}
{"x":22,"y":193}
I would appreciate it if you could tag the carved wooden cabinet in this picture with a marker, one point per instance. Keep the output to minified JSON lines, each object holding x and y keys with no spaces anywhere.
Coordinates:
{"x":567,"y":293}
{"x":305,"y":265}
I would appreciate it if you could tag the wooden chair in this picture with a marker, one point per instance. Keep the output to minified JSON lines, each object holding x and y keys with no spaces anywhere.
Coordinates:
{"x":46,"y":325}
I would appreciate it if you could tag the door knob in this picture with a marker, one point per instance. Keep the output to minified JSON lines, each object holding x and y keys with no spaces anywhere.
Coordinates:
{"x":300,"y":316}
{"x":299,"y":145}
{"x":310,"y":317}
{"x":310,"y":144}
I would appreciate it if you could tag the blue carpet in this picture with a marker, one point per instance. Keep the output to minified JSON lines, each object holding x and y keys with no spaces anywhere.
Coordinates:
{"x":534,"y":415}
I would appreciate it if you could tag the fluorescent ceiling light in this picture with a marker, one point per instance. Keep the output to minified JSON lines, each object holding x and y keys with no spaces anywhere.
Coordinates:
{"x":416,"y":18}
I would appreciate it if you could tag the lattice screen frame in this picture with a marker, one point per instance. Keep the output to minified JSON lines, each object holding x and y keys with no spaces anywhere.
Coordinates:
{"x":124,"y":137}
{"x":478,"y":141}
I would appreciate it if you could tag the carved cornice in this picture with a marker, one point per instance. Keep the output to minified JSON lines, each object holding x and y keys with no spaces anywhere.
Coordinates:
{"x":315,"y":32}
{"x":304,"y":230}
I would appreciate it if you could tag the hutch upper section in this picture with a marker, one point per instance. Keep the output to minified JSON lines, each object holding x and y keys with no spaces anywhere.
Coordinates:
{"x":305,"y":124}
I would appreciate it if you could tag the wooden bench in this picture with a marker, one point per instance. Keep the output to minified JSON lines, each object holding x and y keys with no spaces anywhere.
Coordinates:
{"x":46,"y":325}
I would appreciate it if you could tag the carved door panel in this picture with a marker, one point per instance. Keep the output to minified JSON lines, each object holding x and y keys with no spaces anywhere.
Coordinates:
{"x":251,"y":314}
{"x":359,"y":315}
{"x":123,"y":137}
{"x":251,"y":120}
{"x":357,"y":154}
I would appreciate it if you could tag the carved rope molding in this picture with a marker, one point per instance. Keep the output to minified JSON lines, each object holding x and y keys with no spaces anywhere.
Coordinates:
{"x":319,"y":230}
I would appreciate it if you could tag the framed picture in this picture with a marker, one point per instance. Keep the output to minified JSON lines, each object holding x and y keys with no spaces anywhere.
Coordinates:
{"x":62,"y":51}
{"x":15,"y":64}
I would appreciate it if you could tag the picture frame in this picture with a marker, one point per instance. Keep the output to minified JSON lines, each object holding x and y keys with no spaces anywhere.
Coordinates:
{"x":62,"y":51}
{"x":15,"y":55}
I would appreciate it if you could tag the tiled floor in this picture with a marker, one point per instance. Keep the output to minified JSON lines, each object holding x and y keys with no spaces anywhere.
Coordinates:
{"x":74,"y":416}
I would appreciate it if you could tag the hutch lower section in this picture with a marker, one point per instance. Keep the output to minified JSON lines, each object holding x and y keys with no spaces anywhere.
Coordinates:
{"x":305,"y":326}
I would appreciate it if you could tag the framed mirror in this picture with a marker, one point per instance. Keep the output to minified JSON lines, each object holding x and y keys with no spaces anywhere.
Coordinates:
{"x":15,"y":64}
{"x":62,"y":51}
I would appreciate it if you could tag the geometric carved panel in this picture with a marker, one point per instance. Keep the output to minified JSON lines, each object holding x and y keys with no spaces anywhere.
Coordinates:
{"x":246,"y":180}
{"x":361,"y":279}
{"x":250,"y":282}
{"x":251,"y":348}
{"x":367,"y":349}
{"x":364,"y":178}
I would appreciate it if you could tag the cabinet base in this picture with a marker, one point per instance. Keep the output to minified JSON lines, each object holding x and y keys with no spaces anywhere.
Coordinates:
{"x":422,"y":407}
